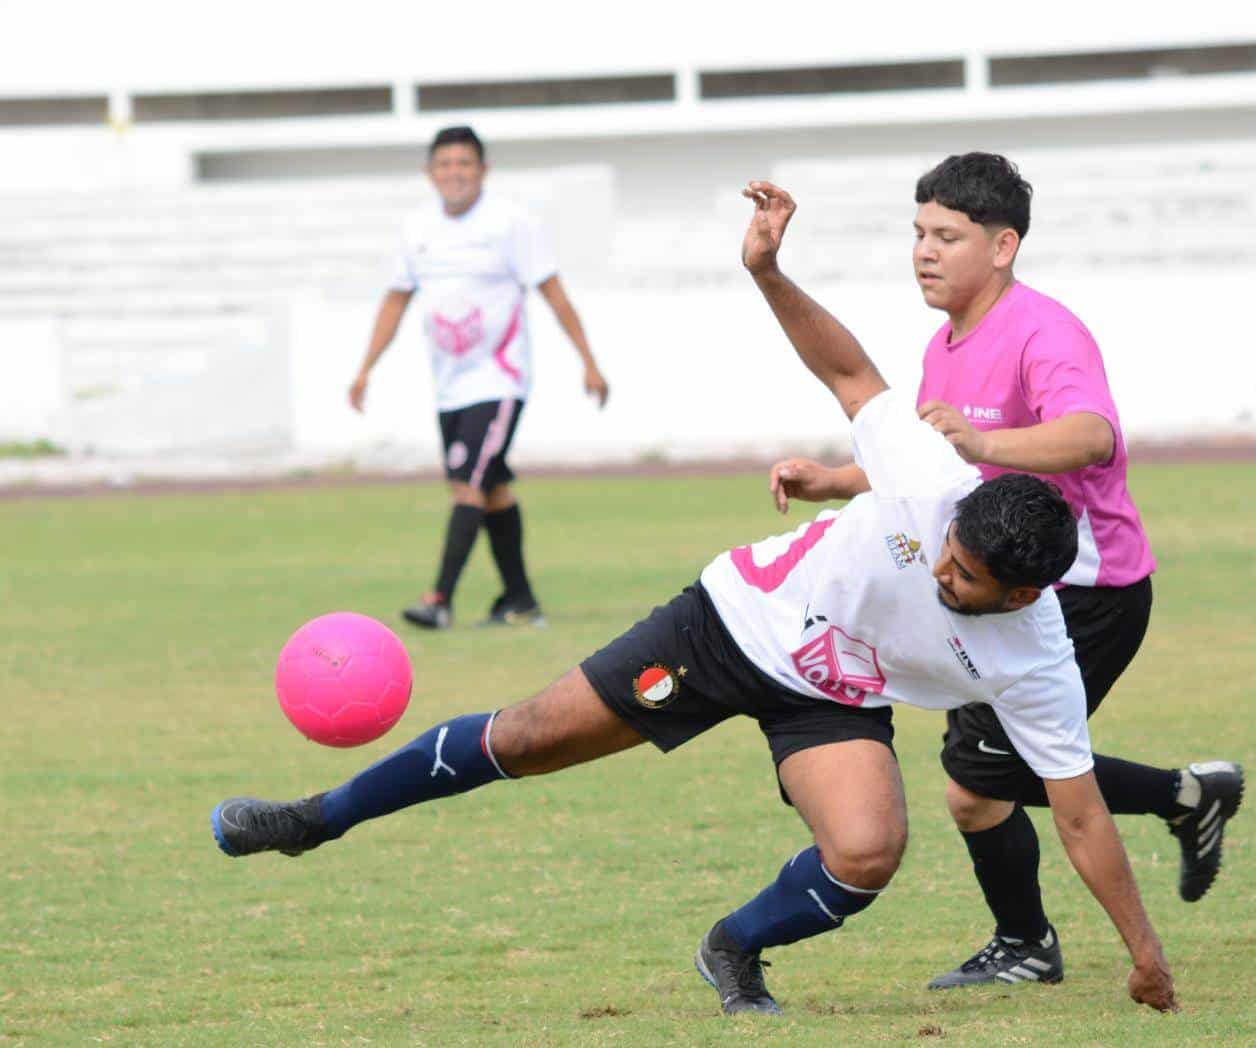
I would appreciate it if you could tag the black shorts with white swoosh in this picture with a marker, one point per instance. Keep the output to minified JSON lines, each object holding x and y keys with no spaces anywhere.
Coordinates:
{"x":1107,"y":625}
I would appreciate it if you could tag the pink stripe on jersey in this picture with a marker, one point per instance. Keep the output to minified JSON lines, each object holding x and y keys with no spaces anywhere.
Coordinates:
{"x":1030,"y":361}
{"x":499,"y":354}
{"x":770,"y":576}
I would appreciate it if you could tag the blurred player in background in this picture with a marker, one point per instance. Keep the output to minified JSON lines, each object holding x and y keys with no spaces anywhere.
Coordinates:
{"x":472,"y":258}
{"x":1032,"y":396}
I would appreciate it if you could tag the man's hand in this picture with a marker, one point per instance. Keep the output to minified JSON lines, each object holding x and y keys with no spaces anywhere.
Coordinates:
{"x":1151,"y":983}
{"x":1094,"y":848}
{"x":357,"y":392}
{"x":969,"y":441}
{"x":595,"y":385}
{"x":773,"y":208}
{"x":798,"y":478}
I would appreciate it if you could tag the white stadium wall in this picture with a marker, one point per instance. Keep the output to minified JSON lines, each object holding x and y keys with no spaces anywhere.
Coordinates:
{"x":175,"y":287}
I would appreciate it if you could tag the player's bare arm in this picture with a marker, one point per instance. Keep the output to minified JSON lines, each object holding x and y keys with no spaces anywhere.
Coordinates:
{"x":387,"y":320}
{"x":555,"y":295}
{"x":1060,"y":446}
{"x":828,"y":349}
{"x":800,"y":478}
{"x":1094,"y":848}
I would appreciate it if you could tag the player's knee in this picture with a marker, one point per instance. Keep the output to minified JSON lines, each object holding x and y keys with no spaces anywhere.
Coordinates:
{"x":868,"y":862}
{"x":499,"y":498}
{"x":464,"y":494}
{"x":971,"y":811}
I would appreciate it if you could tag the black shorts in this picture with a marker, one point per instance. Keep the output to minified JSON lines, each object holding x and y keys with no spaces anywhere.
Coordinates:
{"x":476,"y":440}
{"x":1107,"y":626}
{"x":679,"y":672}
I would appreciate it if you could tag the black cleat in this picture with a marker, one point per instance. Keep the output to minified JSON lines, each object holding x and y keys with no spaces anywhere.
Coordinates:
{"x":1008,"y":961}
{"x":736,"y":975}
{"x":515,"y":611}
{"x":429,"y":614}
{"x":245,"y":825}
{"x":1199,"y":832}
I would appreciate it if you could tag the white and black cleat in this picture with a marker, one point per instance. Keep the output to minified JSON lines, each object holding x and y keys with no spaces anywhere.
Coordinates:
{"x":515,"y":611}
{"x":1008,"y":961}
{"x":736,"y":975}
{"x":1199,"y":832}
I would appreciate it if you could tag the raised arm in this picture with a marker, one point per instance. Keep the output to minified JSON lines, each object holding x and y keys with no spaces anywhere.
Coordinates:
{"x":828,"y":349}
{"x":1094,"y":848}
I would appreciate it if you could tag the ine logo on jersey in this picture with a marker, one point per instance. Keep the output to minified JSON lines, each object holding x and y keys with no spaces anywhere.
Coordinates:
{"x":904,"y":550}
{"x":957,"y":648}
{"x":983,"y":414}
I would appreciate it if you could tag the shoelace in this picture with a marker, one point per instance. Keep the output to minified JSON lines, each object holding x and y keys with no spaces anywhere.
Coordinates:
{"x":750,"y":976}
{"x":992,"y":951}
{"x":278,"y":821}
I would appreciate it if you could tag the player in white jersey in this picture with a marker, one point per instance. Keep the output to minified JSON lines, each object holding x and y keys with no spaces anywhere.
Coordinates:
{"x":471,"y":258}
{"x":933,"y":589}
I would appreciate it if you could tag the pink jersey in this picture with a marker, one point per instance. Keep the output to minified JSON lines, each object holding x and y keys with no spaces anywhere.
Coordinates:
{"x":1030,"y":361}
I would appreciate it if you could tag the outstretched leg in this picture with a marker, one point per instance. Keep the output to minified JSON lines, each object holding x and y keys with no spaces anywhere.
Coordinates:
{"x":565,"y":724}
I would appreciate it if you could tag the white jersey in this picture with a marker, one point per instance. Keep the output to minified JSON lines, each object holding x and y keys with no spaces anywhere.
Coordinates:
{"x":472,"y":272}
{"x":845,"y":608}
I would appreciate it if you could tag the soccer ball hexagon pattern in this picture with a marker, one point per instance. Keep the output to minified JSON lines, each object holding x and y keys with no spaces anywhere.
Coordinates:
{"x":343,"y":679}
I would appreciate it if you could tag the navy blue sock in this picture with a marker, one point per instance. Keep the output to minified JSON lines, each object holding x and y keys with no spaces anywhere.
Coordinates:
{"x":450,"y":758}
{"x":805,"y":900}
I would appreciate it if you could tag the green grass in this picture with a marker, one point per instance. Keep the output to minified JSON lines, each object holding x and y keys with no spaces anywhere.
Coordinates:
{"x":25,"y":449}
{"x":137,"y":639}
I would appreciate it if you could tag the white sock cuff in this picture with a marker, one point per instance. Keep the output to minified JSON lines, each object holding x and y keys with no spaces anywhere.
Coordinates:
{"x":487,"y":742}
{"x":850,"y":887}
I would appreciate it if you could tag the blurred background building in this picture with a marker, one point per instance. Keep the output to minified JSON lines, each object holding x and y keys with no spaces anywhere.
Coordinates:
{"x":199,"y":205}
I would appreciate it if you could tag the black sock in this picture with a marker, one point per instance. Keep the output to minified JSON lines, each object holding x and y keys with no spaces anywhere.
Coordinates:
{"x":1137,"y":789}
{"x":505,"y":535}
{"x":1005,"y":860}
{"x":464,"y":525}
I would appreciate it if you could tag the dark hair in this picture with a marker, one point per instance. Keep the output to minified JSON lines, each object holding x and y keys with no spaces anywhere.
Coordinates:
{"x":985,"y":186}
{"x":447,"y":136}
{"x":1020,"y":527}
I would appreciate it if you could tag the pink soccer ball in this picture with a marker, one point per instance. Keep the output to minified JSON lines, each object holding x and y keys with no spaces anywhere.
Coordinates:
{"x":343,"y":679}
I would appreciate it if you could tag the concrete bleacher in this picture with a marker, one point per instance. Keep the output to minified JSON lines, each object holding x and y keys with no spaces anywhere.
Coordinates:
{"x":175,"y":308}
{"x":1094,"y":211}
{"x":161,"y":301}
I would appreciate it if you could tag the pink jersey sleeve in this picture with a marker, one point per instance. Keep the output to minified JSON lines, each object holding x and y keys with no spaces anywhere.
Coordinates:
{"x":1062,"y":373}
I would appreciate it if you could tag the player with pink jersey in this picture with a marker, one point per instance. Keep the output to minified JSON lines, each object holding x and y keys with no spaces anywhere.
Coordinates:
{"x":471,"y":258}
{"x":1016,"y":383}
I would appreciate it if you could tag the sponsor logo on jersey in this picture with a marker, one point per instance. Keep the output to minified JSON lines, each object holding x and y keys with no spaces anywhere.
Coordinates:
{"x":457,"y":336}
{"x":904,"y":550}
{"x":845,"y":668}
{"x":957,"y":648}
{"x":656,"y":686}
{"x":971,"y":411}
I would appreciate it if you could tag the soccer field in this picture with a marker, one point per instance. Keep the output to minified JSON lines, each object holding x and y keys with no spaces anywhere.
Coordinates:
{"x":137,"y":643}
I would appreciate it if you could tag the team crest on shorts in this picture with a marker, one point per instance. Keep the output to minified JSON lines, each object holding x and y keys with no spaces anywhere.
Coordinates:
{"x":656,"y":686}
{"x":904,"y":550}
